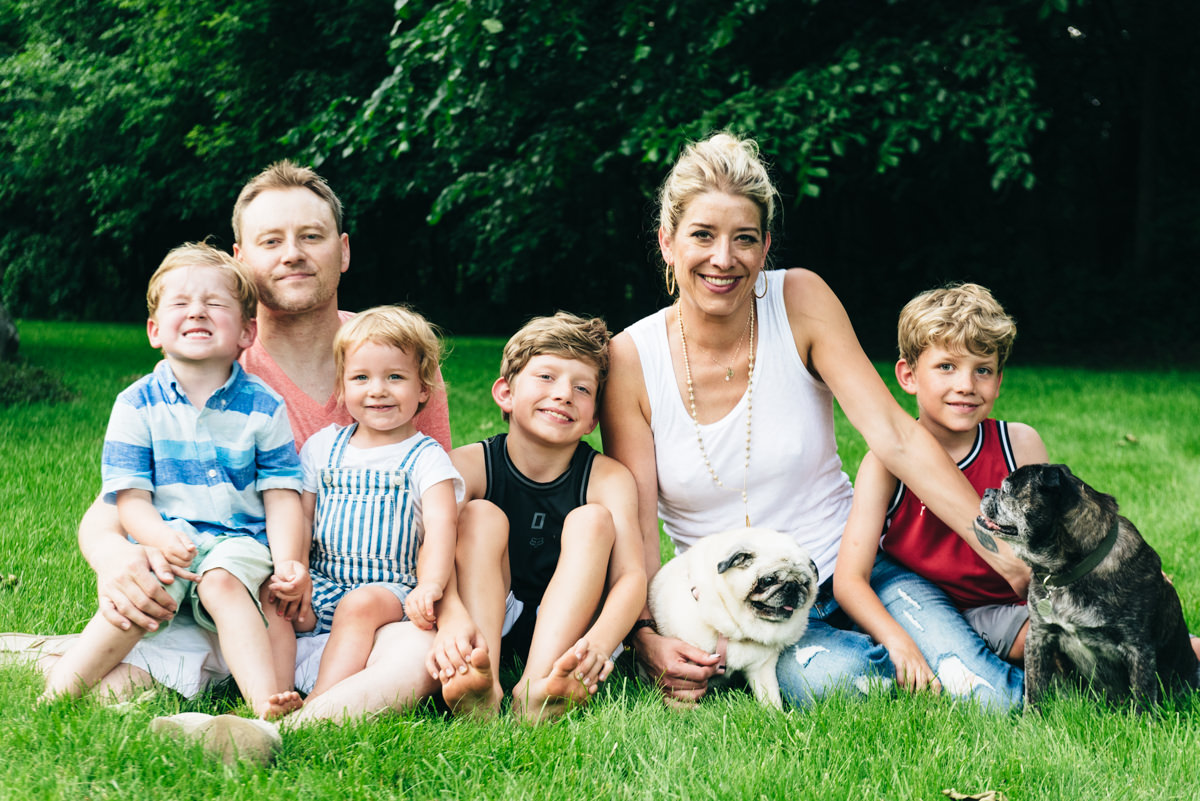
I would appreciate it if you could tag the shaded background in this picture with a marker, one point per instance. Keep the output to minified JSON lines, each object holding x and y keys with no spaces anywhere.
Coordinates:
{"x":499,"y":159}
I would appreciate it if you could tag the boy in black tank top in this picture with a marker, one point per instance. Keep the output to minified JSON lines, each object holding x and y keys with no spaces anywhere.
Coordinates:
{"x":548,"y":566}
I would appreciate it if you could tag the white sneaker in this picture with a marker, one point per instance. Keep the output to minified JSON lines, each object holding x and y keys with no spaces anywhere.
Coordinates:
{"x":227,"y":736}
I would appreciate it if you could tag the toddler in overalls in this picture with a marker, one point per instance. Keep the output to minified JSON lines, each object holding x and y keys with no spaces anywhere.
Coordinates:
{"x":382,"y":497}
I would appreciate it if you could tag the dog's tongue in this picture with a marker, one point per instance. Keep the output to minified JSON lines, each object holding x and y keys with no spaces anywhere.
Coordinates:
{"x":790,"y":608}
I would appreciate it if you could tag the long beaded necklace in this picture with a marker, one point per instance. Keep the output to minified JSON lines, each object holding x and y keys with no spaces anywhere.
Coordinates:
{"x":687,"y":369}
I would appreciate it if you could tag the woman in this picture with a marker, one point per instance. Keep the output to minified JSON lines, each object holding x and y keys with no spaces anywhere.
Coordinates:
{"x":722,"y":407}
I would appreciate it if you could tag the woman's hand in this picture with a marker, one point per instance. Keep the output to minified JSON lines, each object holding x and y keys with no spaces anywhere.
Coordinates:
{"x":681,"y":670}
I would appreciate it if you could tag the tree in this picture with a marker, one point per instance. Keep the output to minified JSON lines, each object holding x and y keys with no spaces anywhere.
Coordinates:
{"x":537,"y":130}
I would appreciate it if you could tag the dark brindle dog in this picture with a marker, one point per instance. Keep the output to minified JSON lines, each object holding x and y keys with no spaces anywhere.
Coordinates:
{"x":1100,"y":609}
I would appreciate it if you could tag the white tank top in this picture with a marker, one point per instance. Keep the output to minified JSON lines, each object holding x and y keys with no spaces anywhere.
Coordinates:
{"x":795,"y":482}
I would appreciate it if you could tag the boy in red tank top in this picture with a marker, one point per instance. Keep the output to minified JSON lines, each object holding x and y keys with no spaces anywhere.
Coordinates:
{"x":953,"y":342}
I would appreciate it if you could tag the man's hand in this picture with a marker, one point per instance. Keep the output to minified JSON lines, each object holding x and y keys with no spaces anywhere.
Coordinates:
{"x":130,"y":586}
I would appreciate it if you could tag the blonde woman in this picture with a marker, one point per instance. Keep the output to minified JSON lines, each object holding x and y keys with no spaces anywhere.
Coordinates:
{"x":722,"y":407}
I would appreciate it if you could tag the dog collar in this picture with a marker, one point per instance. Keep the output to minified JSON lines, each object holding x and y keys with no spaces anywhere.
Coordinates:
{"x":1089,"y":563}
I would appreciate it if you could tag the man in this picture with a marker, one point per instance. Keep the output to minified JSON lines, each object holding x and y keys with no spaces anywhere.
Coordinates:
{"x":288,"y":229}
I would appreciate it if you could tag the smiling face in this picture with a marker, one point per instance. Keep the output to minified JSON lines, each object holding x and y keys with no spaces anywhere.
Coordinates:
{"x":382,"y":390}
{"x":290,"y":242}
{"x":199,"y":319}
{"x":717,"y":251}
{"x":955,"y":390}
{"x":552,"y":398}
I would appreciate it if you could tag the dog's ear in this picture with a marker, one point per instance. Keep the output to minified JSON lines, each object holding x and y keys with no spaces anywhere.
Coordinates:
{"x":816,"y":575}
{"x":736,"y":559}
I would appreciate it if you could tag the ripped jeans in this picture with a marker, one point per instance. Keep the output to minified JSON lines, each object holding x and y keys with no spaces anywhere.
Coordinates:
{"x":961,"y":659}
{"x":831,"y":656}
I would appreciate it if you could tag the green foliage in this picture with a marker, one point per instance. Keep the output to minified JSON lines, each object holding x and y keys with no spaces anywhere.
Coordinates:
{"x":536,"y":128}
{"x":128,"y":118}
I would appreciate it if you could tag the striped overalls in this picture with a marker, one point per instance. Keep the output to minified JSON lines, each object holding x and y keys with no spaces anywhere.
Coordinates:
{"x":365,"y":530}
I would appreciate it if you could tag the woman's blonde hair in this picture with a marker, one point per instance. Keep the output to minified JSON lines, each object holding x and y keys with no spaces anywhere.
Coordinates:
{"x":723,"y":162}
{"x":959,"y":317}
{"x":397,"y":326}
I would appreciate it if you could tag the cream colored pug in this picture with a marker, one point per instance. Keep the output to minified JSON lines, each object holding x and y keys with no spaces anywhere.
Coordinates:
{"x":753,"y":586}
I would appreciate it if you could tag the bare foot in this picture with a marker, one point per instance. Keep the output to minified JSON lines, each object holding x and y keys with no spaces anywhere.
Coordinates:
{"x":279,"y":704}
{"x":476,"y":692}
{"x":544,"y":700}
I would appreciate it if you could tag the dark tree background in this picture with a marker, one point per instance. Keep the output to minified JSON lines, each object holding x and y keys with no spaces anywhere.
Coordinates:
{"x":499,"y":158}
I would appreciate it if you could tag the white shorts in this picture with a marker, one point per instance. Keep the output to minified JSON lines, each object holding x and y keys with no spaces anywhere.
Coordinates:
{"x":187,"y":658}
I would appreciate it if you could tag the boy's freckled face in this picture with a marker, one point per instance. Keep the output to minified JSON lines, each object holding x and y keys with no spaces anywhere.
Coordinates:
{"x":198,"y":319}
{"x":553,"y":397}
{"x":955,"y":391}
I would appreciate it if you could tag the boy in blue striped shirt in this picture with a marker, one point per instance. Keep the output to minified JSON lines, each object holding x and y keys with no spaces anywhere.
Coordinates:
{"x":200,"y":462}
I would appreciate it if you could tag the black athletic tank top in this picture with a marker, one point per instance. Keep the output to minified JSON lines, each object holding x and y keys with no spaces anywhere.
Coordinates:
{"x":535,"y":513}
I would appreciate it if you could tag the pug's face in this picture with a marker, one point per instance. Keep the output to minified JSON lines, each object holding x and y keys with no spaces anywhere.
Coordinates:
{"x":1045,"y":513}
{"x":773,"y":579}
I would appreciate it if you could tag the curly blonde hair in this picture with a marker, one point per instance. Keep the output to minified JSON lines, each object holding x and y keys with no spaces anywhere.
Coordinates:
{"x":963,"y":317}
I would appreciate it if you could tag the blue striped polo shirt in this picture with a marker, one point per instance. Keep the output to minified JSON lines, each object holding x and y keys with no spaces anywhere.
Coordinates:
{"x":206,"y":467}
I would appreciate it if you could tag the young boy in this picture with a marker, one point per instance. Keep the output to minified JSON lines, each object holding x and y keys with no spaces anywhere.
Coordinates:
{"x":953,"y":345}
{"x":548,"y":567}
{"x":200,"y":463}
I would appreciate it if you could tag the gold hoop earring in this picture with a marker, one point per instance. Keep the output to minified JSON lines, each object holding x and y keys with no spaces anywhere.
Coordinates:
{"x":764,"y":294}
{"x":671,"y":280}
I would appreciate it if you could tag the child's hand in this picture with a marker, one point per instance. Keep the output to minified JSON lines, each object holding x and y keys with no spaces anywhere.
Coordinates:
{"x":291,"y":588}
{"x":912,"y":671}
{"x":593,"y":665}
{"x":451,"y":651}
{"x":179,"y":550}
{"x":419,"y":605}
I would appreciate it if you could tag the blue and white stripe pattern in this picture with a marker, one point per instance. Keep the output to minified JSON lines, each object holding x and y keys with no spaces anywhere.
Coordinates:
{"x":365,"y":529}
{"x":209,"y":466}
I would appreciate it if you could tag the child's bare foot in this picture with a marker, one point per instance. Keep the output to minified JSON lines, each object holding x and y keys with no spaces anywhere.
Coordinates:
{"x":279,"y":704}
{"x":475,"y":692}
{"x":544,"y":700}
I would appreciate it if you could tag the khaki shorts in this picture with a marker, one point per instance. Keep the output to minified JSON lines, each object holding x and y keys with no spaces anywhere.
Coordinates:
{"x":244,"y":557}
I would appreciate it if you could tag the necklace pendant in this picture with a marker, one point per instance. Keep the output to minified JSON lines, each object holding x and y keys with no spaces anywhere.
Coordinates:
{"x":728,"y":373}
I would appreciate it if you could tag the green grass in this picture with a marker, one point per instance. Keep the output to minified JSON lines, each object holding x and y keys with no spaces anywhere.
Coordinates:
{"x":1134,"y":434}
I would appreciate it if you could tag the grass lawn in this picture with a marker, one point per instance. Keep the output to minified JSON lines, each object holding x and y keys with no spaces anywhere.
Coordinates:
{"x":1135,"y":434}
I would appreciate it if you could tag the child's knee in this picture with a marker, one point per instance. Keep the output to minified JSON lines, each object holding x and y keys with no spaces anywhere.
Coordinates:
{"x":218,"y":583}
{"x":364,"y":603}
{"x":589,"y":525}
{"x":482,"y":523}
